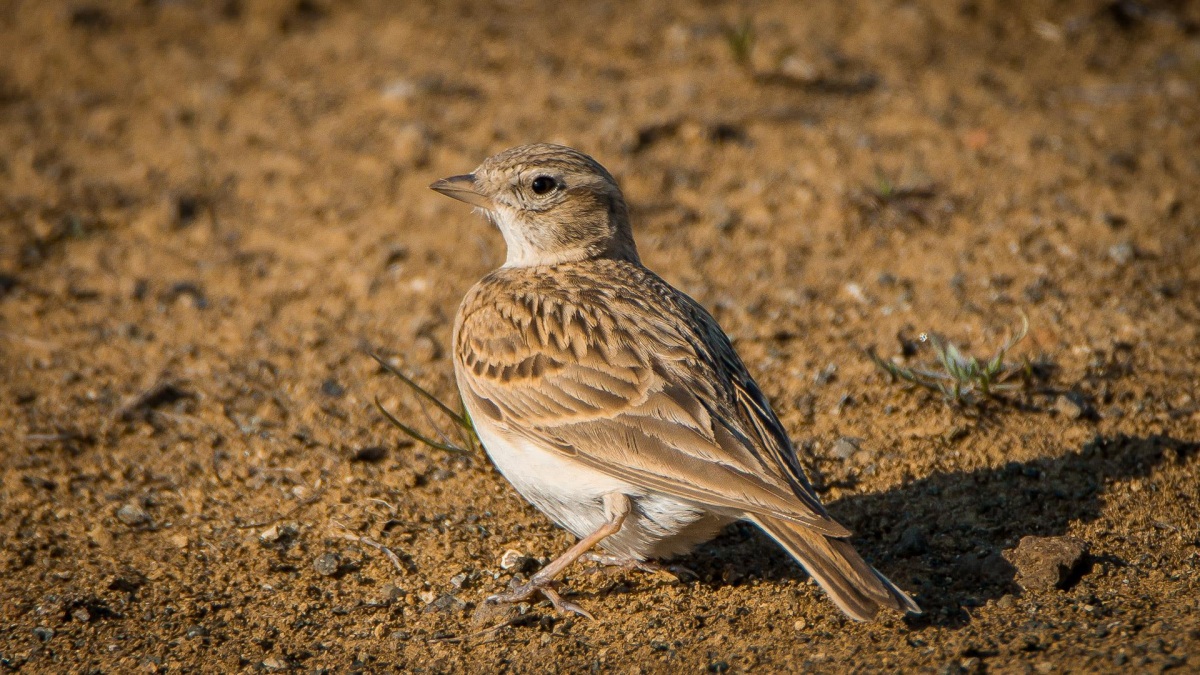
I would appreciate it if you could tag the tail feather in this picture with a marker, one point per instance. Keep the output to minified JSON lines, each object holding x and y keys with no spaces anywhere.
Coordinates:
{"x":856,"y":587}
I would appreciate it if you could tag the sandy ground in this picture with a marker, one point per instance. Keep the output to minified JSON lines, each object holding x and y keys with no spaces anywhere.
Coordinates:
{"x":209,"y":209}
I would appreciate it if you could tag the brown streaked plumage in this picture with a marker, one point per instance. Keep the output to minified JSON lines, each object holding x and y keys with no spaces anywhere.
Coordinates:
{"x":614,"y":402}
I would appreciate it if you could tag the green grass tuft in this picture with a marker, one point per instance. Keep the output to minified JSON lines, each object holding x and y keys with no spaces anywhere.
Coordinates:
{"x":962,"y":378}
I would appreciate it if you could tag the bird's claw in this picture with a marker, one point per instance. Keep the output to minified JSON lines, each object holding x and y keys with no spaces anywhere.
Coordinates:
{"x":534,"y":586}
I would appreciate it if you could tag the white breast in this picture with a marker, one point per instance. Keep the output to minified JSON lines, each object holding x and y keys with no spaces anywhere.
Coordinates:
{"x":572,"y":495}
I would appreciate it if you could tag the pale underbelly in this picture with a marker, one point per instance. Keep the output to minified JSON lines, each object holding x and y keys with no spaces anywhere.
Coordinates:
{"x":572,"y":495}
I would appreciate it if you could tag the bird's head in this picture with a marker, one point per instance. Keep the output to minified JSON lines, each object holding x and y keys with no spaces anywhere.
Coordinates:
{"x":553,"y":205}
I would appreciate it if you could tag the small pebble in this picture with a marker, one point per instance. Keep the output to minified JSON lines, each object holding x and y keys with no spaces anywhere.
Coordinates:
{"x":391,"y":593}
{"x":826,"y":374}
{"x":1069,"y":406}
{"x":42,"y":633}
{"x":327,"y":564}
{"x":956,"y":433}
{"x":400,"y":90}
{"x":1121,"y":253}
{"x":373,"y":453}
{"x":278,"y":533}
{"x":133,"y":515}
{"x":445,"y":604}
{"x":332,"y":388}
{"x":845,"y":447}
{"x":511,"y":558}
{"x":128,"y":582}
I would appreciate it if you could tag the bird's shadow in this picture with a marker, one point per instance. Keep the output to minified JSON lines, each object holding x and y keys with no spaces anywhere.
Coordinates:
{"x":941,"y":536}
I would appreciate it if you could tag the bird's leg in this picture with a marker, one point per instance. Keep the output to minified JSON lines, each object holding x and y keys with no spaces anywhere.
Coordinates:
{"x":616,"y":508}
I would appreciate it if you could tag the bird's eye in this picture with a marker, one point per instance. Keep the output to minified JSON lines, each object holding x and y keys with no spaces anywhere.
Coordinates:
{"x":543,"y":184}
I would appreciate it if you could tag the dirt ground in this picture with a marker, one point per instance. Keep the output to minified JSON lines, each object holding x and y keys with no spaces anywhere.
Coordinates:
{"x":208,"y":210}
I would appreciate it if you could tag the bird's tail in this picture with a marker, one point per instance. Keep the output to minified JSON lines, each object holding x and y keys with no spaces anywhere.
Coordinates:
{"x":857,"y":588}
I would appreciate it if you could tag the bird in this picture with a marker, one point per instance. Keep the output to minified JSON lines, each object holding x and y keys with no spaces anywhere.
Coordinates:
{"x":613,"y":402}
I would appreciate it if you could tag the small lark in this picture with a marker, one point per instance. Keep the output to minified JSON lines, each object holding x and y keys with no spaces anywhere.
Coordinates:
{"x":615,"y":403}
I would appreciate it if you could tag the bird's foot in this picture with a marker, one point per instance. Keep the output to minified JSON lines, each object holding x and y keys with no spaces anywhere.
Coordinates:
{"x":525,"y":591}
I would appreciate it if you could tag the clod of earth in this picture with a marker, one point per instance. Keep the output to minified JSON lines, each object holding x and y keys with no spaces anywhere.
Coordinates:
{"x":1044,"y":563}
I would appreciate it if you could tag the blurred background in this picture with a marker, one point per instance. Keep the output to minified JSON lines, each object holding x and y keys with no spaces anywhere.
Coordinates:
{"x":208,"y":210}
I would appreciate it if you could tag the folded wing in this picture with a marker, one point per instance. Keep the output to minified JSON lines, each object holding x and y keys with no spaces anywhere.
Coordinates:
{"x":647,"y":389}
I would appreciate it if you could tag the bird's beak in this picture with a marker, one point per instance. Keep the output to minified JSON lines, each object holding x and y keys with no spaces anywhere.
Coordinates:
{"x":464,"y":189}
